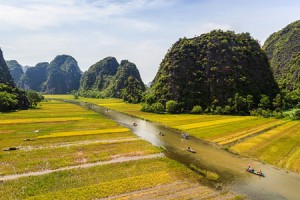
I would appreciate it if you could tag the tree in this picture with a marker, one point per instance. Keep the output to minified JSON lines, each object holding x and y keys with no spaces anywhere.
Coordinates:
{"x":250,"y":102}
{"x":277,"y":102}
{"x":8,"y":101}
{"x":264,"y":102}
{"x":34,"y":98}
{"x":171,"y":106}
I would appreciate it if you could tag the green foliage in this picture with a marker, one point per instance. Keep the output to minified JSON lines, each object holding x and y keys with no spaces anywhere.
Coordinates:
{"x":296,"y":115}
{"x":197,"y":110}
{"x":282,"y":48}
{"x":264,"y":102}
{"x":12,"y":98}
{"x":34,"y":98}
{"x":209,"y":69}
{"x":7,"y":101}
{"x":158,"y":108}
{"x":171,"y":106}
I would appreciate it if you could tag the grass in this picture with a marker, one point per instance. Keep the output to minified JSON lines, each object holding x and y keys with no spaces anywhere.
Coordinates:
{"x":271,"y":140}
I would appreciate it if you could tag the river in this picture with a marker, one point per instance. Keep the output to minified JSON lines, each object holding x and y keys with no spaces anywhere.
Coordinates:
{"x":278,"y":184}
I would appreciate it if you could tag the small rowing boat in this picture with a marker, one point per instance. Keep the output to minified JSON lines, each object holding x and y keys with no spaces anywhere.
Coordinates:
{"x":191,"y":150}
{"x":253,"y":171}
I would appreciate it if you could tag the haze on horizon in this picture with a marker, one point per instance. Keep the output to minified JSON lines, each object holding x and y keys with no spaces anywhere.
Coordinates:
{"x":140,"y":31}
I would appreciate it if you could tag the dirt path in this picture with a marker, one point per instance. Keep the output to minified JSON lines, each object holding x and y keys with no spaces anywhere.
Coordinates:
{"x":116,"y":160}
{"x":68,"y":144}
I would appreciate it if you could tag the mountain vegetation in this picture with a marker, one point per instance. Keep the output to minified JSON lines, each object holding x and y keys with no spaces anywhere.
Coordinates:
{"x":108,"y":78}
{"x":11,"y":97}
{"x":222,"y":72}
{"x":15,"y":69}
{"x":283,"y":51}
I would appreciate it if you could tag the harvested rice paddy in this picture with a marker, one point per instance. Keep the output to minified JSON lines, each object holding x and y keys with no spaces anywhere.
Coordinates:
{"x":273,"y":141}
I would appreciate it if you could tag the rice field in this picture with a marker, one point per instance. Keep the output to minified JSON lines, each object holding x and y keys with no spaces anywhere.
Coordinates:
{"x":59,"y":135}
{"x":273,"y":141}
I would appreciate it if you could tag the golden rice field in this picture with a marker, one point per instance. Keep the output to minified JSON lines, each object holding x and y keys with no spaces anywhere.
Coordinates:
{"x":273,"y":141}
{"x":59,"y":135}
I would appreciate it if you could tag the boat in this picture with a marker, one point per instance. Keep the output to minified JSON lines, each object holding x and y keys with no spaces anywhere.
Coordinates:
{"x":185,"y":136}
{"x":253,"y":171}
{"x":190,"y":150}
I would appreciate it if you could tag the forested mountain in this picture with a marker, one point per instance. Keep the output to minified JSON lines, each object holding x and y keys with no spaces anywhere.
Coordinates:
{"x":127,"y":83}
{"x":61,"y":76}
{"x":211,"y":69}
{"x":283,"y":50}
{"x":16,"y":70}
{"x":34,"y":77}
{"x":11,"y":98}
{"x":99,"y":75}
{"x":107,"y":78}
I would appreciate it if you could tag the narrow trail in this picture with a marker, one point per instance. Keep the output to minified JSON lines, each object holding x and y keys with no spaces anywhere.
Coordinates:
{"x":69,"y":144}
{"x":116,"y":160}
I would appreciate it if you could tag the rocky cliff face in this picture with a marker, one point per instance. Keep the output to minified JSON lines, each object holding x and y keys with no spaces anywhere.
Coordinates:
{"x":16,"y":70}
{"x":212,"y":68}
{"x":11,"y":98}
{"x":283,"y":50}
{"x":34,"y":77}
{"x":61,"y":76}
{"x":5,"y":76}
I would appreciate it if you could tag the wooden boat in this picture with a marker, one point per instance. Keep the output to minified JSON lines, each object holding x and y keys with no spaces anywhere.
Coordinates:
{"x":253,"y":171}
{"x":191,"y":150}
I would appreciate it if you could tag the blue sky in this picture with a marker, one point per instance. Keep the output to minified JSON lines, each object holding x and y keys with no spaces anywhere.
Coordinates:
{"x":140,"y":31}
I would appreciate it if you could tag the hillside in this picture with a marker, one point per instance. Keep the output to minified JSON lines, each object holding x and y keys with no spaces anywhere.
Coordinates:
{"x":283,"y":50}
{"x":127,"y":83}
{"x":11,"y":98}
{"x":210,"y":69}
{"x":99,"y":75}
{"x":16,"y":70}
{"x":107,"y":78}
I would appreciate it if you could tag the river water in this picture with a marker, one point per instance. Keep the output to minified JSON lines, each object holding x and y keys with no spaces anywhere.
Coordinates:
{"x":278,"y":184}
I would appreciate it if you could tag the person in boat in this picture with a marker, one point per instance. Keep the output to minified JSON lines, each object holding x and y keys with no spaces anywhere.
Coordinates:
{"x":134,"y":124}
{"x":161,"y":133}
{"x":260,"y":172}
{"x":189,"y":149}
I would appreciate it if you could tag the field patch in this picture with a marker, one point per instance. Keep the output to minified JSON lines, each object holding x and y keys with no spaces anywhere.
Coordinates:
{"x":85,"y":132}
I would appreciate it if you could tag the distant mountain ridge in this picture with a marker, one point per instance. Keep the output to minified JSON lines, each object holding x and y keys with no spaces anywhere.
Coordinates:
{"x":16,"y":70}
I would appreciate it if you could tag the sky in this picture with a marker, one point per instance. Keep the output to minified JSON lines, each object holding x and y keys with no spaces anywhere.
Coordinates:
{"x":140,"y":31}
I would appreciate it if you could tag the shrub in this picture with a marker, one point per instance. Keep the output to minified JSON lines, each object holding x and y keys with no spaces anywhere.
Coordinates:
{"x":197,"y":110}
{"x":171,"y":106}
{"x":158,"y":108}
{"x":146,"y":108}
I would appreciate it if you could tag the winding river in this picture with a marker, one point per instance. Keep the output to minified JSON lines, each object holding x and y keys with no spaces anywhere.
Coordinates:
{"x":278,"y":184}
